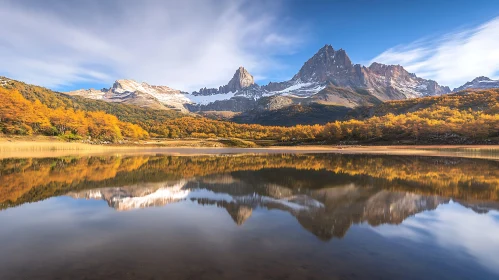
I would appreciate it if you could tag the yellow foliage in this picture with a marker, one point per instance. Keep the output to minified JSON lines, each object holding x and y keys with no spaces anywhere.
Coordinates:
{"x":21,"y":116}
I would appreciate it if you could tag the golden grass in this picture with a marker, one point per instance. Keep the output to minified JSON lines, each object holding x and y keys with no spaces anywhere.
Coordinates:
{"x":6,"y":147}
{"x":52,"y":147}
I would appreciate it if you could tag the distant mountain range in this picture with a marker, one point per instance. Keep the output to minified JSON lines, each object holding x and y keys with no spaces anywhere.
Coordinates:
{"x":329,"y":77}
{"x":479,"y":83}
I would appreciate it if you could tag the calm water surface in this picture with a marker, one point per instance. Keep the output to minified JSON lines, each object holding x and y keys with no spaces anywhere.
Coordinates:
{"x":249,"y":217}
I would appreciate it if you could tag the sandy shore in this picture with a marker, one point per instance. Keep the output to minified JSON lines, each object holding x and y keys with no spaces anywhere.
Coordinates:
{"x":39,"y":148}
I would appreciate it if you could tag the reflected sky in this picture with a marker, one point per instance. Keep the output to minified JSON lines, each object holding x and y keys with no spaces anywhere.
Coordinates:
{"x":456,"y":229}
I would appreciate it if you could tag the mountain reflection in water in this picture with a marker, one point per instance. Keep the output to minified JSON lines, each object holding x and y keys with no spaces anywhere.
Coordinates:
{"x":326,"y":212}
{"x":326,"y":194}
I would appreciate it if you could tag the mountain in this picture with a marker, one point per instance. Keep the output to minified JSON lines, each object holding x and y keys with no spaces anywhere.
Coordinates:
{"x":479,"y":83}
{"x":241,"y":79}
{"x":314,"y":113}
{"x":392,"y":82}
{"x":151,"y":120}
{"x":334,"y":67}
{"x":328,"y":77}
{"x":238,"y":95}
{"x":140,"y":94}
{"x":327,"y":66}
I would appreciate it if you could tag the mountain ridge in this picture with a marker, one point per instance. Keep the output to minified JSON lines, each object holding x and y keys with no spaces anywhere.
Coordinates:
{"x":312,"y":83}
{"x":480,"y":82}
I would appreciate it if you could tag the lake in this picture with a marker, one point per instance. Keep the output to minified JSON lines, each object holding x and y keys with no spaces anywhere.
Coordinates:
{"x":244,"y":216}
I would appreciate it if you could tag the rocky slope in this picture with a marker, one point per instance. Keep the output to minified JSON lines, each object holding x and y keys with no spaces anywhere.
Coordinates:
{"x":479,"y":83}
{"x":140,"y":94}
{"x":334,"y":67}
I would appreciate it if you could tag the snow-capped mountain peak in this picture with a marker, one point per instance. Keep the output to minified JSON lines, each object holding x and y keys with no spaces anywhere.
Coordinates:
{"x":242,"y":79}
{"x":141,"y":94}
{"x":329,"y":76}
{"x":479,"y":83}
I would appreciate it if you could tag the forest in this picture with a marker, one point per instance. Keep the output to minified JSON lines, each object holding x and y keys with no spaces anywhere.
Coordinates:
{"x":460,"y":118}
{"x":20,"y":116}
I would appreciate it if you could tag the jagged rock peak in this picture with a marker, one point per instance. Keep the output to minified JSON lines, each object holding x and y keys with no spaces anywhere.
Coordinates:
{"x":324,"y":64}
{"x":376,"y":65}
{"x":481,"y":78}
{"x":325,"y":49}
{"x":390,"y":70}
{"x":241,"y":79}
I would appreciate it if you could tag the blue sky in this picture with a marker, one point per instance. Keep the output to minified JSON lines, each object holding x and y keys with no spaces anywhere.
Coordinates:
{"x":66,"y":45}
{"x":367,"y":28}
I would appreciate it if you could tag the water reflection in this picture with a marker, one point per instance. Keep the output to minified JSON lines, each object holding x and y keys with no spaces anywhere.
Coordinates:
{"x":356,"y":207}
{"x":325,"y":193}
{"x":327,"y":212}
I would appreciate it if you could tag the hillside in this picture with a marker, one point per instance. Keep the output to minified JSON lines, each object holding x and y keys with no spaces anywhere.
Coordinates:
{"x":146,"y":118}
{"x":460,"y":118}
{"x":139,"y":94}
{"x":486,"y":101}
{"x":20,"y":116}
{"x":476,"y":100}
{"x":314,"y":113}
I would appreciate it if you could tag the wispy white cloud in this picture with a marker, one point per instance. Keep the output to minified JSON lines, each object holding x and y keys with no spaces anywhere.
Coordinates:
{"x":184,"y":44}
{"x":454,"y":228}
{"x":452,"y":59}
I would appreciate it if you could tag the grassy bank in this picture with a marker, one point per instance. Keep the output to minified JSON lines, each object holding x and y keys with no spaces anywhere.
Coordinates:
{"x":25,"y":146}
{"x":40,"y":146}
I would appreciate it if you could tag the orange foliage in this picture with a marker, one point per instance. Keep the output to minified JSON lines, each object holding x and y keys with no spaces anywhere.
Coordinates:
{"x":21,"y":116}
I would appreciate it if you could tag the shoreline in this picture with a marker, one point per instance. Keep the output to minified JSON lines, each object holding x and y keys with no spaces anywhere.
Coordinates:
{"x":37,"y":148}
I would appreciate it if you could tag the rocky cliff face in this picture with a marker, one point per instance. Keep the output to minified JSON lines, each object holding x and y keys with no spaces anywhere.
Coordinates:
{"x":242,"y":79}
{"x":479,"y":83}
{"x":389,"y":82}
{"x":326,"y":66}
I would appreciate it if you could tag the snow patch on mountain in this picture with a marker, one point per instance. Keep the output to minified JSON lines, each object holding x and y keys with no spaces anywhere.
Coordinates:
{"x":174,"y":98}
{"x":294,"y":87}
{"x":207,"y":99}
{"x":141,"y":94}
{"x":328,"y":67}
{"x":3,"y":81}
{"x":479,"y":83}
